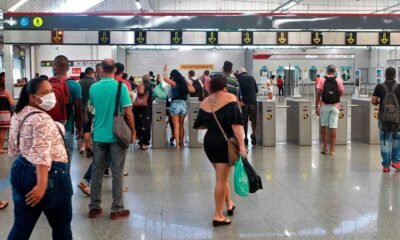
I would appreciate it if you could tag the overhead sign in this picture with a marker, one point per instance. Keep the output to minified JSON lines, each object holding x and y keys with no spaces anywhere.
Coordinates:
{"x":247,"y":38}
{"x":351,"y":38}
{"x":384,"y":38}
{"x":37,"y":22}
{"x":316,"y":38}
{"x":140,"y":37}
{"x":212,"y":38}
{"x":24,"y":22}
{"x":104,"y":37}
{"x":57,"y":37}
{"x":176,"y":37}
{"x":50,"y":63}
{"x":282,"y":38}
{"x":197,"y":66}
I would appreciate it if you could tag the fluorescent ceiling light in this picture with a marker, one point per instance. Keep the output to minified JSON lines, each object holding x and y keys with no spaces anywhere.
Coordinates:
{"x":138,"y":4}
{"x":17,"y":5}
{"x":77,"y":5}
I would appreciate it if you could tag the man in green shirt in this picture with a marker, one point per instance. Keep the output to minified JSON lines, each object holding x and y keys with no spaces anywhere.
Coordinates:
{"x":102,"y":97}
{"x":233,"y":84}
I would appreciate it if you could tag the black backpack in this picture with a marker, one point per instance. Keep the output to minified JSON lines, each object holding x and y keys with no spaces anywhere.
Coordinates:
{"x":390,"y":111}
{"x":199,"y":90}
{"x":330,"y":93}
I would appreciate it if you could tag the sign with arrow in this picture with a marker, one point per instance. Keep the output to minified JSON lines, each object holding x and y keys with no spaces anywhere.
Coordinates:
{"x":317,"y":38}
{"x":104,"y":37}
{"x":351,"y":38}
{"x":384,"y":38}
{"x":247,"y":38}
{"x":176,"y":37}
{"x":57,"y":37}
{"x":282,"y":38}
{"x":140,"y":37}
{"x":212,"y":38}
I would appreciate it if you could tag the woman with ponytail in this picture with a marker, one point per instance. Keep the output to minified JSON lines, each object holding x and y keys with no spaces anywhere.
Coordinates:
{"x":40,"y":177}
{"x":178,"y":109}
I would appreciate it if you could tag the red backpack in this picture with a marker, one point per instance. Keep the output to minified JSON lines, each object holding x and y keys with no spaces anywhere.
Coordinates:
{"x":59,"y":113}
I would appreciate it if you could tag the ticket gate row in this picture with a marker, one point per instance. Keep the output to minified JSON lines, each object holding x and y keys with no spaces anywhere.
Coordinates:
{"x":299,"y":123}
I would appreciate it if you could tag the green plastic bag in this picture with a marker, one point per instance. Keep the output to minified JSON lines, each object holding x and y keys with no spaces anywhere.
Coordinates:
{"x":160,"y":93}
{"x":241,"y":180}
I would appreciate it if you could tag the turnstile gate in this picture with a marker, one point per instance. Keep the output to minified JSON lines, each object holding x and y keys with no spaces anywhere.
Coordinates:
{"x":194,"y":107}
{"x":158,"y":130}
{"x":266,"y":123}
{"x":364,"y":121}
{"x":299,"y":121}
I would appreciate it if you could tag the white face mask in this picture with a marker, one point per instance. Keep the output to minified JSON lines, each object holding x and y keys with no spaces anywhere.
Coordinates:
{"x":48,"y":101}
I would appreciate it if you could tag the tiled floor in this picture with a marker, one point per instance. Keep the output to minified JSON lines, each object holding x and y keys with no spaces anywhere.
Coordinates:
{"x":306,"y":196}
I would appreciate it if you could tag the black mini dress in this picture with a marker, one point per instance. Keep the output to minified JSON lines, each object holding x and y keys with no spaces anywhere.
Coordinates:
{"x":215,"y":145}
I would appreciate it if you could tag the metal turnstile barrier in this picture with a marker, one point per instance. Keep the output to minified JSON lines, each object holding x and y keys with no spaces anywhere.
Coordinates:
{"x":159,"y":134}
{"x":194,"y":107}
{"x":266,"y":123}
{"x":299,"y":122}
{"x":341,"y":131}
{"x":364,"y":121}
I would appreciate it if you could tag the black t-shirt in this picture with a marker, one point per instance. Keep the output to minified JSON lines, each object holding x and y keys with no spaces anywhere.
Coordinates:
{"x":248,"y":89}
{"x":380,"y":92}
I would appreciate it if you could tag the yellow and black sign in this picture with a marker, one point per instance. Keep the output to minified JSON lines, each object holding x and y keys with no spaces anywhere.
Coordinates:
{"x":282,"y":38}
{"x":351,"y":38}
{"x":50,"y":63}
{"x":37,"y":22}
{"x":376,"y":115}
{"x":104,"y":37}
{"x":140,"y":37}
{"x":269,"y":116}
{"x":306,"y":116}
{"x":57,"y":37}
{"x":212,"y":38}
{"x":341,"y":115}
{"x":197,"y":66}
{"x":317,"y":38}
{"x":176,"y":37}
{"x":247,"y":38}
{"x":384,"y":38}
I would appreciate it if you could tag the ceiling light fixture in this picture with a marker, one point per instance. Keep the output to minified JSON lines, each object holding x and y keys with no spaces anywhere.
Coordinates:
{"x":138,"y":5}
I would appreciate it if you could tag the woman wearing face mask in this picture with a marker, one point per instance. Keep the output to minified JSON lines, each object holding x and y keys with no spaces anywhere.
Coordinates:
{"x":40,"y":174}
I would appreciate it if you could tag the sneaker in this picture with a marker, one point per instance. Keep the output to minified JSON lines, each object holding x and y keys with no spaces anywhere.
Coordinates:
{"x":84,"y":188}
{"x":94,"y":213}
{"x":396,"y":165}
{"x":120,"y":214}
{"x":253,"y":139}
{"x":246,"y":141}
{"x":386,"y":169}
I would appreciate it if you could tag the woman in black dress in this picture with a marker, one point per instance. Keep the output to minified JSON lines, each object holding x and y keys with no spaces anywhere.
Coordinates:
{"x":227,"y":110}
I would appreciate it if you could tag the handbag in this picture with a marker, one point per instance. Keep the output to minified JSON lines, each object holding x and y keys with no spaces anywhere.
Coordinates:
{"x":233,"y":144}
{"x":254,"y":179}
{"x":121,"y":130}
{"x":160,"y":93}
{"x":141,"y":101}
{"x":240,"y":179}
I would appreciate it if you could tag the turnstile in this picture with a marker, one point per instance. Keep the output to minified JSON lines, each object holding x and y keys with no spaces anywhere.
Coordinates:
{"x":364,"y":121}
{"x":266,"y":123}
{"x":194,"y":107}
{"x":341,"y":131}
{"x":299,"y":121}
{"x":159,"y":134}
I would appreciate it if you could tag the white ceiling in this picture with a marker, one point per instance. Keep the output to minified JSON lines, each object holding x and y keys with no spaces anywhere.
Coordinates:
{"x":304,"y":6}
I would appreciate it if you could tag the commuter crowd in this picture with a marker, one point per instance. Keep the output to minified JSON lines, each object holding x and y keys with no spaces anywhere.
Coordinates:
{"x":108,"y":112}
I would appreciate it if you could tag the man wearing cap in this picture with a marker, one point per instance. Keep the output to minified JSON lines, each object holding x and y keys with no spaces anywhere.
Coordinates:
{"x":327,"y":105}
{"x":248,"y":98}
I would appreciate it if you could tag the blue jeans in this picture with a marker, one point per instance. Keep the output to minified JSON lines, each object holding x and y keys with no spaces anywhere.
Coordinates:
{"x":56,"y":203}
{"x":390,"y":147}
{"x":101,"y":153}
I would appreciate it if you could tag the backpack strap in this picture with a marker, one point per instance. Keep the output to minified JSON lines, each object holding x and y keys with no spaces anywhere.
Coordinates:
{"x":117,"y":101}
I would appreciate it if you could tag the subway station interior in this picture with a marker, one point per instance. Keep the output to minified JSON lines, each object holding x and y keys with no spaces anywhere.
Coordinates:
{"x":170,"y":192}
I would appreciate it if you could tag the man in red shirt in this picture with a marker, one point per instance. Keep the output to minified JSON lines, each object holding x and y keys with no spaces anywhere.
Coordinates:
{"x":118,"y":76}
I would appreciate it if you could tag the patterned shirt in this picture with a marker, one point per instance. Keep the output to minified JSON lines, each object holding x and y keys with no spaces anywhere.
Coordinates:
{"x":40,"y":140}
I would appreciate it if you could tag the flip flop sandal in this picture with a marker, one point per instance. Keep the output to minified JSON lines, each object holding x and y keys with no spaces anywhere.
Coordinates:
{"x":324,"y":152}
{"x":3,"y":204}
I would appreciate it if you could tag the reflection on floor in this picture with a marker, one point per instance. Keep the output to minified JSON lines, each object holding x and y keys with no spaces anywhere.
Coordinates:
{"x":306,"y":196}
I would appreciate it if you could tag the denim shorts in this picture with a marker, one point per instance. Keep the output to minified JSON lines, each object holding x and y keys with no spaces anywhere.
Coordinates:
{"x":178,"y":107}
{"x":329,"y":115}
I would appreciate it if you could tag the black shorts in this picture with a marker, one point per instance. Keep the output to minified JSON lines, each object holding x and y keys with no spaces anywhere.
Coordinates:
{"x":250,"y":112}
{"x":87,"y":126}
